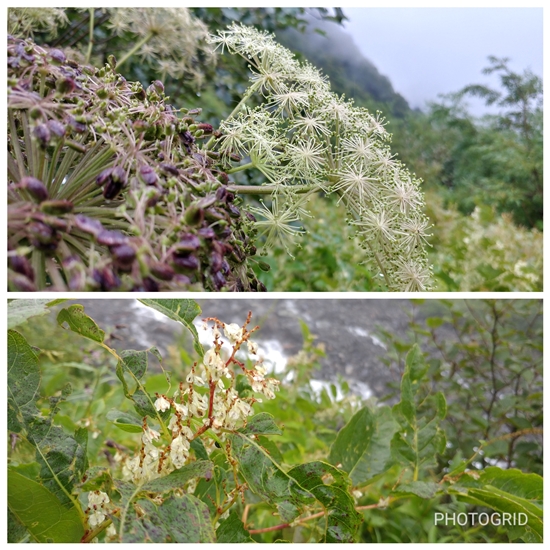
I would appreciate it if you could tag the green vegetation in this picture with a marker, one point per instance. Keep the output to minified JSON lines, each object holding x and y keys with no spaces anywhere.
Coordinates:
{"x":289,"y":138}
{"x":206,"y":446}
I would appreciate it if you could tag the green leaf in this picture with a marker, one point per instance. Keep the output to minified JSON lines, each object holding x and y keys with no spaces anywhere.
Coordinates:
{"x":422,"y":489}
{"x":342,"y":521}
{"x":509,"y":491}
{"x":80,"y":323}
{"x":62,"y":457}
{"x":178,"y":520}
{"x":262,"y":423}
{"x":125,"y":421}
{"x":183,"y":311}
{"x":267,"y":479}
{"x":46,"y":519}
{"x":420,"y":437}
{"x":16,"y":531}
{"x":175,"y":480}
{"x":362,"y":446}
{"x":231,"y":530}
{"x":23,"y":381}
{"x":130,"y":370}
{"x":21,"y":310}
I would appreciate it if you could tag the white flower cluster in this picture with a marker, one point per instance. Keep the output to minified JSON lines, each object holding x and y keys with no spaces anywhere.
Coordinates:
{"x":306,"y":139}
{"x":97,"y":511}
{"x":207,"y":401}
{"x":170,"y":37}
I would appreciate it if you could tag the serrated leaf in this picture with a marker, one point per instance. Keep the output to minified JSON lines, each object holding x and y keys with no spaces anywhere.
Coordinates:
{"x":362,"y":446}
{"x":183,"y":519}
{"x":342,"y":521}
{"x":261,"y":424}
{"x":125,"y":421}
{"x":231,"y":530}
{"x":183,"y":311}
{"x":21,"y":310}
{"x":419,"y":438}
{"x":175,"y":480}
{"x":79,"y":322}
{"x":267,"y":479}
{"x":46,"y":519}
{"x":23,"y":381}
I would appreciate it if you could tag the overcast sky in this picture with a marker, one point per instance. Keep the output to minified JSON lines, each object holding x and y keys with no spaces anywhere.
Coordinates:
{"x":428,"y":51}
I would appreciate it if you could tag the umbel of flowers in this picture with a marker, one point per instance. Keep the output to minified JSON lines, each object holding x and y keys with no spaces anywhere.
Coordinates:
{"x":208,"y":401}
{"x":108,"y":188}
{"x":305,"y":139}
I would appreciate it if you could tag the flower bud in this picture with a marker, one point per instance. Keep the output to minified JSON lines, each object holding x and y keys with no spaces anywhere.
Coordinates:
{"x":57,"y":56}
{"x":111,"y":238}
{"x":21,"y":264}
{"x":65,"y":85}
{"x":22,"y":283}
{"x":147,"y":174}
{"x":162,"y":271}
{"x":187,"y":262}
{"x":35,"y":187}
{"x":206,"y":233}
{"x":42,"y":134}
{"x":88,"y":225}
{"x":187,"y":243}
{"x":123,"y":256}
{"x":56,"y":128}
{"x":57,"y":207}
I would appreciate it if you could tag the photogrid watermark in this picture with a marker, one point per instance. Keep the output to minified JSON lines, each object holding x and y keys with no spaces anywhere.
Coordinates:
{"x":480,"y":518}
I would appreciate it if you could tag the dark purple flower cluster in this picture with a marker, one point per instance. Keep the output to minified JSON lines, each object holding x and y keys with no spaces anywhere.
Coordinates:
{"x":108,"y":188}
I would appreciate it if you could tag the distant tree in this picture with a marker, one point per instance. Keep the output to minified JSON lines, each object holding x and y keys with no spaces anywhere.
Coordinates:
{"x":495,"y":160}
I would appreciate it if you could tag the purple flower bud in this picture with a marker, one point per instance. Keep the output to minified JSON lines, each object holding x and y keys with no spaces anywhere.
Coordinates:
{"x":221,"y":193}
{"x":35,"y":187}
{"x":88,"y":225}
{"x":206,"y":128}
{"x":150,"y":285}
{"x":169,"y":169}
{"x":104,"y":177}
{"x":56,"y":128}
{"x":158,"y":86}
{"x":20,"y":264}
{"x":111,"y":238}
{"x":148,"y":174}
{"x":206,"y":233}
{"x":123,"y":256}
{"x":226,"y":269}
{"x":106,"y":279}
{"x":119,"y":175}
{"x":162,"y":271}
{"x":112,"y":189}
{"x":187,"y":243}
{"x":22,"y":283}
{"x":77,"y":127}
{"x":57,"y":56}
{"x":215,"y":261}
{"x":65,"y":85}
{"x":185,"y":262}
{"x":43,"y":236}
{"x":250,"y":216}
{"x":234,"y":212}
{"x":218,"y":280}
{"x":42,"y":134}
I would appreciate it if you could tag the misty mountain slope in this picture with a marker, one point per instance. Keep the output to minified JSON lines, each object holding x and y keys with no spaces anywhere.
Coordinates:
{"x":341,"y":60}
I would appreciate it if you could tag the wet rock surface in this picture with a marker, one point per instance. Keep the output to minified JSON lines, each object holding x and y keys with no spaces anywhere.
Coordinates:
{"x":347,"y":327}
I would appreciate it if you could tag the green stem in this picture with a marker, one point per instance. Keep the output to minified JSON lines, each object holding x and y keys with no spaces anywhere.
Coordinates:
{"x":241,"y":168}
{"x":91,"y":35}
{"x":268,"y":189}
{"x":131,"y":52}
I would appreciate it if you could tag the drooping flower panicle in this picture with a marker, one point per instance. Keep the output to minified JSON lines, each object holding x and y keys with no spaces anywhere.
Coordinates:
{"x":305,"y":139}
